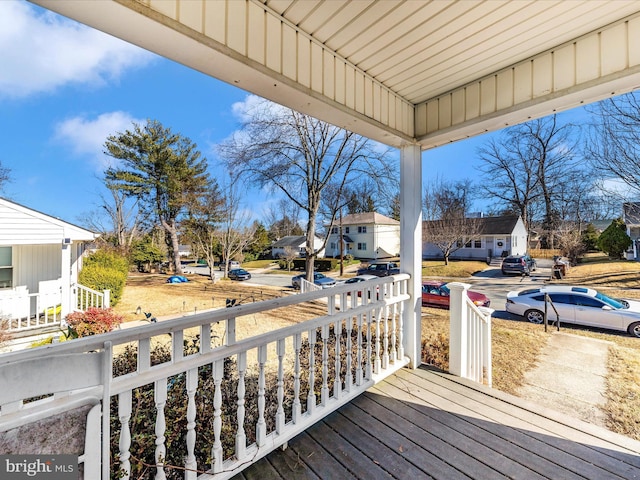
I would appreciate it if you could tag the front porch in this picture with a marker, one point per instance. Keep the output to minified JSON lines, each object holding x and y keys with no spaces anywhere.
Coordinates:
{"x":428,"y":424}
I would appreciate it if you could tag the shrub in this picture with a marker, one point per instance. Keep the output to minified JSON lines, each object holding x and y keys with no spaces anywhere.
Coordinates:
{"x":614,"y":240}
{"x":93,"y":321}
{"x":105,"y":270}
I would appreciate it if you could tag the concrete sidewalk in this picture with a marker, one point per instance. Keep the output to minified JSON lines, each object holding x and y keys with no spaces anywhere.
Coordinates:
{"x":570,"y":377}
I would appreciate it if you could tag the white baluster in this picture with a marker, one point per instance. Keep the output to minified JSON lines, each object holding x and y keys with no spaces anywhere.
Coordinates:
{"x":160,"y":396}
{"x":124,"y":415}
{"x":377,"y":318}
{"x":280,"y":418}
{"x":385,"y":339}
{"x":297,"y":408}
{"x":241,"y":437}
{"x":337,"y":381}
{"x":324,"y":392}
{"x":348,"y":381}
{"x":394,"y":339}
{"x":261,"y":427}
{"x":401,"y":325}
{"x":192,"y":386}
{"x":359,"y":352}
{"x":311,"y":397}
{"x":367,"y":366}
{"x":216,"y":451}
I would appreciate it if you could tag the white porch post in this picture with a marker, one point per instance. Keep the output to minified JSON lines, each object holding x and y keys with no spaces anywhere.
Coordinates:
{"x":65,"y":280}
{"x":458,"y":334}
{"x":411,"y":246}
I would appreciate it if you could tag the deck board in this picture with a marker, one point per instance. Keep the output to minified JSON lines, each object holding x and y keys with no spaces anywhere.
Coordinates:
{"x":423,"y":423}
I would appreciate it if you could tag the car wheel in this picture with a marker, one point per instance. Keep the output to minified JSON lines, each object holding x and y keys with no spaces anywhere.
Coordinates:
{"x":534,"y":316}
{"x":634,"y":329}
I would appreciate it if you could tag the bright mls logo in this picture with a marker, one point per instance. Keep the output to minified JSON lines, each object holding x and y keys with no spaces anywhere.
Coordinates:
{"x":45,"y":467}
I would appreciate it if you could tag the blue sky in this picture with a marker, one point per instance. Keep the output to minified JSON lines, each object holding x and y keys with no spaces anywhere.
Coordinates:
{"x":65,"y":87}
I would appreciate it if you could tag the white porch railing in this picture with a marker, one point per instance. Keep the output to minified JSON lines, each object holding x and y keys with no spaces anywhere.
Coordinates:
{"x":86,"y":297}
{"x":307,"y":286}
{"x":297,"y":375}
{"x":23,"y":311}
{"x":469,"y":337}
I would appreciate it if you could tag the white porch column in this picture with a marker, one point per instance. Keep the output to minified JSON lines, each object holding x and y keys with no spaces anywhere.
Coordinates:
{"x":65,"y":280}
{"x":458,"y":334}
{"x":411,"y":246}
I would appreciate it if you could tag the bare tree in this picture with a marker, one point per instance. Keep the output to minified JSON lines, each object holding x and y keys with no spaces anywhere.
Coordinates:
{"x":613,"y":145}
{"x":289,"y":255}
{"x":446,"y":206}
{"x":283,"y":219}
{"x":4,"y":176}
{"x":201,"y":227}
{"x":236,"y":231}
{"x":528,"y":165}
{"x":301,"y":157}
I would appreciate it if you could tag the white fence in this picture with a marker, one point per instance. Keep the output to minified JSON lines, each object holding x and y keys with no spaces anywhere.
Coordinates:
{"x":22,"y":311}
{"x":470,"y":337}
{"x":288,"y":379}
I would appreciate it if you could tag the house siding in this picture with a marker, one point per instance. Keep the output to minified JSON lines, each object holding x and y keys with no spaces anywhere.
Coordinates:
{"x":34,"y":263}
{"x":382,"y":234}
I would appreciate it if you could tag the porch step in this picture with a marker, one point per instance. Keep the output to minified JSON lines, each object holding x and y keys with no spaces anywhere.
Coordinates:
{"x":495,"y":262}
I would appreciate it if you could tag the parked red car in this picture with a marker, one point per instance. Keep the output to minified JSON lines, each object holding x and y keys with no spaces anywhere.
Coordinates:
{"x":436,"y":294}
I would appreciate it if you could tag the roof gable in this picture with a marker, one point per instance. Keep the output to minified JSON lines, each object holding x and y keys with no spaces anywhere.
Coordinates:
{"x":20,"y":225}
{"x":369,"y":218}
{"x":503,"y":225}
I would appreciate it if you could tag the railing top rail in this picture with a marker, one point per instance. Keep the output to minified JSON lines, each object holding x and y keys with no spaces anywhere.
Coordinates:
{"x":88,"y":289}
{"x":133,"y":334}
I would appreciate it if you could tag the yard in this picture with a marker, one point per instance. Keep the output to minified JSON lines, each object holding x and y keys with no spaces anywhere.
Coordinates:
{"x":515,"y":345}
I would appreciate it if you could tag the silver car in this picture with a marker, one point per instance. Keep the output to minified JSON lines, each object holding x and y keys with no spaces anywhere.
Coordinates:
{"x":580,"y":305}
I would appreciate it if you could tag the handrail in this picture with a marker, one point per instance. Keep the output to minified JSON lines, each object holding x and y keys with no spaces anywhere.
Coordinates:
{"x":290,"y":370}
{"x":548,"y":301}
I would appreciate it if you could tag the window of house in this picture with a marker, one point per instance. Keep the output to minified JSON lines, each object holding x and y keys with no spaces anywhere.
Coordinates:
{"x":346,"y":229}
{"x":477,"y":244}
{"x":468,"y":244}
{"x":334,"y":229}
{"x":362,"y":246}
{"x":6,"y":269}
{"x":333,"y":245}
{"x":362,"y":229}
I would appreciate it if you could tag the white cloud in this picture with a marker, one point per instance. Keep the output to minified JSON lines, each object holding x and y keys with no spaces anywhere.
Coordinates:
{"x":41,"y":51}
{"x":86,"y":136}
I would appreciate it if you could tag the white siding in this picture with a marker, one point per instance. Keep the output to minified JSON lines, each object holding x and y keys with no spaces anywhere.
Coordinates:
{"x":35,"y":263}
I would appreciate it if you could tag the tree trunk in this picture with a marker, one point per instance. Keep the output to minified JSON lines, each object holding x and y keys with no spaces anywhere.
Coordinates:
{"x":171,"y":229}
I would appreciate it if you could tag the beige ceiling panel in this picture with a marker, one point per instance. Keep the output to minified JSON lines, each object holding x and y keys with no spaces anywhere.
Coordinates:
{"x":385,"y":98}
{"x":166,"y":7}
{"x":257,"y":42}
{"x":376,"y":98}
{"x":304,"y":61}
{"x":542,"y":81}
{"x":359,"y":92}
{"x":289,"y":53}
{"x":587,"y":58}
{"x":522,"y":82}
{"x":191,"y":14}
{"x":274,"y":43}
{"x":472,"y":101}
{"x":368,"y":97}
{"x":317,"y":70}
{"x":564,"y":67}
{"x":488,"y":100}
{"x":504,"y":89}
{"x":615,"y":49}
{"x":296,"y":12}
{"x":432,"y":120}
{"x":340,"y":85}
{"x":329,"y":78}
{"x":237,"y":26}
{"x":350,"y":87}
{"x":633,"y":26}
{"x":444,"y":111}
{"x":457,"y":107}
{"x":215,"y":22}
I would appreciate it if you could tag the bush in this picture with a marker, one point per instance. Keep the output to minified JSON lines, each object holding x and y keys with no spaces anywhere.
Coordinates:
{"x":105,"y":270}
{"x":93,"y":321}
{"x":614,"y":240}
{"x":320,"y":264}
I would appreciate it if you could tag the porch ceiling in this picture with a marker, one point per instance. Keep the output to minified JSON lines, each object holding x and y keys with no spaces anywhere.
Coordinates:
{"x":398,"y":72}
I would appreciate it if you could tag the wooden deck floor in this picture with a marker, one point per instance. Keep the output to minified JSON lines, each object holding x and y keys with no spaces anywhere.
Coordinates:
{"x":425,"y":424}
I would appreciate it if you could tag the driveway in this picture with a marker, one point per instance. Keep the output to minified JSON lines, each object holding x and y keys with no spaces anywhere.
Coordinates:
{"x":495,"y":285}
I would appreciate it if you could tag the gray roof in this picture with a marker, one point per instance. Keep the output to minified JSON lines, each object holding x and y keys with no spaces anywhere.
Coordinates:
{"x":291,"y":241}
{"x":503,"y":225}
{"x":367,"y":218}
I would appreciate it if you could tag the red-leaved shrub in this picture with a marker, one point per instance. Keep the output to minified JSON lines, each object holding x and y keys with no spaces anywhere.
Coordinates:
{"x":92,"y":321}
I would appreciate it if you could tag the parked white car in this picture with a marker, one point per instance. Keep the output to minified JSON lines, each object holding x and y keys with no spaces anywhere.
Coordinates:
{"x":580,"y":305}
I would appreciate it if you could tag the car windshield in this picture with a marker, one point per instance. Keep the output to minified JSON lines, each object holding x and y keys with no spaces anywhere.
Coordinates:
{"x":610,"y":301}
{"x":444,"y":288}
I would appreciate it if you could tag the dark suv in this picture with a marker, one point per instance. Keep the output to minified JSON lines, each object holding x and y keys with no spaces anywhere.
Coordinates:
{"x":518,"y":264}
